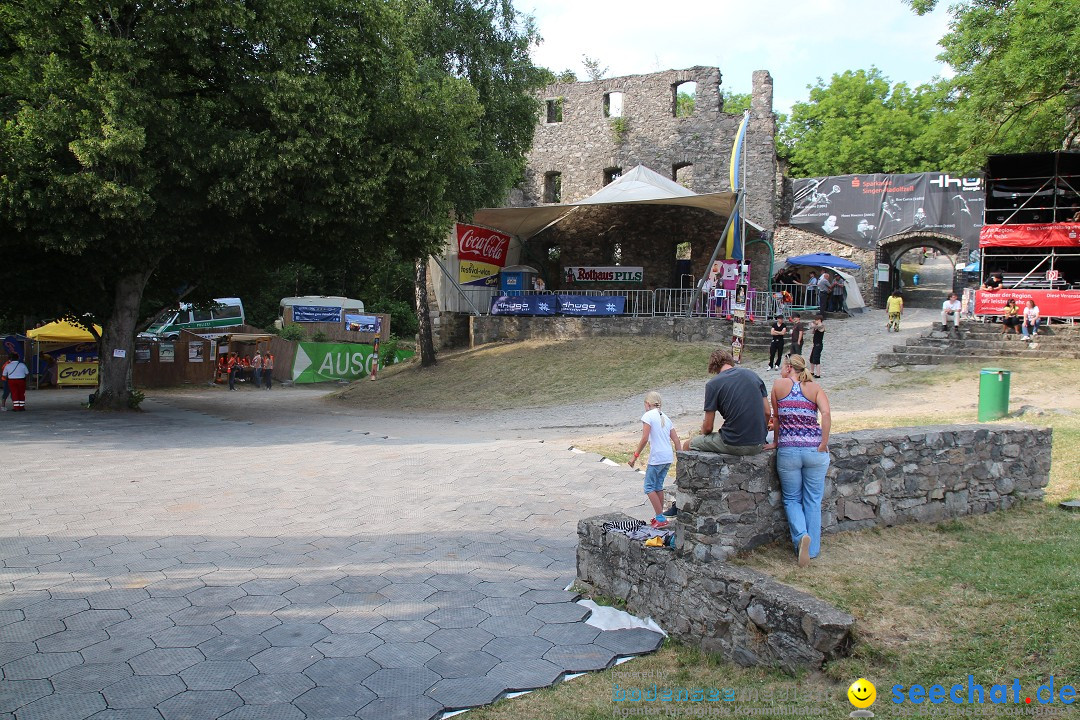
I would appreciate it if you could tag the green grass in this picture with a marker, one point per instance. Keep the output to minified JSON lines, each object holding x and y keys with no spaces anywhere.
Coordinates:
{"x":534,"y":373}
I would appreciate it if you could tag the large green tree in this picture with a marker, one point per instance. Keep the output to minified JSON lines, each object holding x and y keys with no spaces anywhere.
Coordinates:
{"x":149,"y":147}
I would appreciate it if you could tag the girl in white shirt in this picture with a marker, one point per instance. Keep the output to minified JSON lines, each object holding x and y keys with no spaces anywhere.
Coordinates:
{"x":1031,"y":320}
{"x":659,"y":432}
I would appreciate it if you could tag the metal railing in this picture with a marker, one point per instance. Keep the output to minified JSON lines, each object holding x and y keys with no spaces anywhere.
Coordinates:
{"x":670,"y":302}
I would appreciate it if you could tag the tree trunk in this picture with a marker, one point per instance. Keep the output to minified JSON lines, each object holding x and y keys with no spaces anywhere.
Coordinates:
{"x":423,"y":315}
{"x":119,"y":334}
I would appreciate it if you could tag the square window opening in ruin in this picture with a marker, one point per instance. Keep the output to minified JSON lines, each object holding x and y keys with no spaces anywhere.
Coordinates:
{"x":554,"y":252}
{"x":553,"y":187}
{"x":555,"y":110}
{"x":683,"y":96}
{"x":683,"y":173}
{"x":612,"y":174}
{"x":684,"y":251}
{"x":613,"y":104}
{"x":615,"y":254}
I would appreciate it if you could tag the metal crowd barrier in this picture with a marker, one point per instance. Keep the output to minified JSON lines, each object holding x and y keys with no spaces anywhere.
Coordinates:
{"x":668,"y":302}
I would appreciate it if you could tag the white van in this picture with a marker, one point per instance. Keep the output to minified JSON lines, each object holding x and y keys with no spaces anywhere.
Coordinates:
{"x":225,"y":313}
{"x":344,"y":306}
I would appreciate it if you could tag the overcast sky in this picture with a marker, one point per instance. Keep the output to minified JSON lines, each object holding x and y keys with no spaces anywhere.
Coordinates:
{"x":797,"y":42}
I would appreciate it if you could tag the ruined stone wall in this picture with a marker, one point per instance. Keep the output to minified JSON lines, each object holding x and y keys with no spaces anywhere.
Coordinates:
{"x":789,"y":241}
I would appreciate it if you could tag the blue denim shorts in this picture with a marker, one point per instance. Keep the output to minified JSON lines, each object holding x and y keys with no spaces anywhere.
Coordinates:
{"x":655,"y":476}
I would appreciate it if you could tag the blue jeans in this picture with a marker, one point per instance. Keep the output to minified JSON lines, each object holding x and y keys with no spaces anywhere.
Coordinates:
{"x":1030,"y":328}
{"x":802,"y":481}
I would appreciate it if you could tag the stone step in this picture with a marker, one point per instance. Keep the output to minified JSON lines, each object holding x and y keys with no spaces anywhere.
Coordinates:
{"x":1017,"y":350}
{"x":885,"y":360}
{"x":1004,"y":345}
{"x":1048,"y":330}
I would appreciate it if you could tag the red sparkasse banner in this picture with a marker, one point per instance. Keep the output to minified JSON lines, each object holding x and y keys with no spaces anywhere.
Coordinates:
{"x":1033,"y":235}
{"x":482,"y":244}
{"x":1052,"y":303}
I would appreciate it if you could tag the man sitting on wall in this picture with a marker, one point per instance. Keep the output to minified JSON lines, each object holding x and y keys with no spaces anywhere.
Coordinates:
{"x":740,"y":397}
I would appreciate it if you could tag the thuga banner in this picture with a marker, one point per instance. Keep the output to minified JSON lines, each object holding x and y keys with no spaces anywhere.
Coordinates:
{"x":524,"y":305}
{"x":329,"y":362}
{"x":592,"y":305}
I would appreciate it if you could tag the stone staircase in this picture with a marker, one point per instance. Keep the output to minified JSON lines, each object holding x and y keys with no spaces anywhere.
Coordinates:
{"x":983,"y":342}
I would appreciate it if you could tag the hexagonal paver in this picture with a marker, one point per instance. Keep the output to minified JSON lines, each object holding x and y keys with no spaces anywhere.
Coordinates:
{"x":407,"y":610}
{"x":268,"y":586}
{"x":116,"y":599}
{"x":348,"y":645}
{"x":514,"y":626}
{"x":525,"y":674}
{"x":232,"y":647}
{"x":407,"y":592}
{"x":401,"y":682}
{"x":130,"y":714}
{"x":569,"y":633}
{"x":506,"y":607}
{"x":215,"y":596}
{"x":455,"y":598}
{"x":55,"y":609}
{"x":165,"y":661}
{"x":33,"y":629}
{"x":311,"y":594}
{"x":265,"y":712}
{"x":120,"y":649}
{"x":14,"y":650}
{"x":417,"y":708}
{"x":201,"y":614}
{"x":90,"y":678}
{"x":580,"y":658}
{"x":501,"y":589}
{"x":217,"y":674}
{"x":459,"y":639}
{"x":517,"y":648}
{"x":174,"y":587}
{"x":338,"y":701}
{"x":199,"y":705}
{"x":285,"y":659}
{"x":63,"y":705}
{"x":457,"y":617}
{"x":552,"y":596}
{"x":258,"y":604}
{"x":71,"y":640}
{"x":247,"y":625}
{"x":404,"y":630}
{"x":16,"y":693}
{"x":293,"y":634}
{"x":140,"y":627}
{"x":353,"y":622}
{"x":466,"y":692}
{"x":186,"y":636}
{"x":274,"y":689}
{"x":144,"y":691}
{"x":560,"y":613}
{"x":95,"y":619}
{"x":156,"y":606}
{"x":453,"y":581}
{"x":401,"y":655}
{"x":362,"y":583}
{"x":366,"y":601}
{"x":341,"y":671}
{"x":295,"y":612}
{"x":41,"y":665}
{"x":462,"y":664}
{"x":631,"y":641}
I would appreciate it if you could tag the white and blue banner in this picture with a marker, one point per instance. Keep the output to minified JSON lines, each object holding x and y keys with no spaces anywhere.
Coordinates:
{"x":363,"y":323}
{"x":524,"y":305}
{"x":592,"y":304}
{"x":314,"y":313}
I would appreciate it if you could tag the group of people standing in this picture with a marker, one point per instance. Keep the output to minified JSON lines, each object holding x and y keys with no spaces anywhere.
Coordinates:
{"x":796,"y":411}
{"x":234,"y":367}
{"x":827,"y":291}
{"x":779,"y":332}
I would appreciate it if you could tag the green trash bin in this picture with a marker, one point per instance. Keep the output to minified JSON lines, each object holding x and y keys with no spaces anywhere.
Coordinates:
{"x":993,"y":393}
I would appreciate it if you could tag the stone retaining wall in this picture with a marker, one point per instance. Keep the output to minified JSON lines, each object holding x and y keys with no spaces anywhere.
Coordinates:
{"x":493,"y":328}
{"x":729,"y":503}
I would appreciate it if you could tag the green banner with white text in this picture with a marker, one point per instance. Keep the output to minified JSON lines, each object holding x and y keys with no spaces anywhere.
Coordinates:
{"x":330,"y":362}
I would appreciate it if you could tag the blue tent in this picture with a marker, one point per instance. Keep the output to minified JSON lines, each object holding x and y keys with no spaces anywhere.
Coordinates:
{"x":827,"y":260}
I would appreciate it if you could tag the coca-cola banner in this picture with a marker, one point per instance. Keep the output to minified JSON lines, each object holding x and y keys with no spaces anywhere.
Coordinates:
{"x":861,"y":210}
{"x":1051,"y":303}
{"x":1039,"y":235}
{"x":616,"y":274}
{"x":481,"y":254}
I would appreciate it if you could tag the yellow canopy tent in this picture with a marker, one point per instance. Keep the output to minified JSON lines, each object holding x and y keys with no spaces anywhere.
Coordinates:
{"x":62,"y":332}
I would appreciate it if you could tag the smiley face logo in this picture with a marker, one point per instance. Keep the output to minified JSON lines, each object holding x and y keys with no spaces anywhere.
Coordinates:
{"x":862,"y":693}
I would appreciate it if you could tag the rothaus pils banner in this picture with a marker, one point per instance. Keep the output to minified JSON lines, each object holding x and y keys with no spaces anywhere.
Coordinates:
{"x":619,"y":274}
{"x":861,"y":210}
{"x":481,"y":255}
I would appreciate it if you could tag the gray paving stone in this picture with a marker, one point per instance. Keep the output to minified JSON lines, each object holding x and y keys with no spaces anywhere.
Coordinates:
{"x":580,"y":658}
{"x":55,"y":609}
{"x":341,"y":671}
{"x":199,"y":705}
{"x":165,"y":661}
{"x":295,"y":612}
{"x":201,"y":615}
{"x":95,"y":619}
{"x":214,"y":596}
{"x":40,"y":665}
{"x":11,"y":616}
{"x":517,"y":648}
{"x":135,"y":714}
{"x":311,"y":594}
{"x":466,"y":692}
{"x":277,"y":689}
{"x":348,"y":644}
{"x":184,"y":636}
{"x":174,"y":587}
{"x":157,"y":606}
{"x":554,"y":613}
{"x":455,"y":598}
{"x":232,"y":647}
{"x":400,"y":655}
{"x":140,"y":627}
{"x":14,"y":650}
{"x":116,"y":599}
{"x":458,"y":639}
{"x":518,"y":675}
{"x":285,"y":659}
{"x":417,"y":708}
{"x":333,"y":702}
{"x":31,"y":630}
{"x":293,"y":634}
{"x":258,"y":604}
{"x":71,"y":640}
{"x":457,"y":617}
{"x":22,"y":600}
{"x":404,"y":630}
{"x":407,"y":592}
{"x":89,"y":678}
{"x":514,"y":626}
{"x":143,"y":691}
{"x":247,"y":624}
{"x":407,"y":610}
{"x":361,"y":583}
{"x":506,"y":607}
{"x":119,"y":649}
{"x":401,"y":682}
{"x":569,"y":633}
{"x":552,"y":596}
{"x":16,"y":693}
{"x":348,"y":621}
{"x":265,"y":712}
{"x":366,"y":601}
{"x":69,"y":706}
{"x":217,"y":674}
{"x":461,"y":664}
{"x":632,"y":641}
{"x":266,"y":586}
{"x":501,"y":589}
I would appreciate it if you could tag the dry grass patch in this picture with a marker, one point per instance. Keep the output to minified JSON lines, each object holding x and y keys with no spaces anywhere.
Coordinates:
{"x":534,"y":373}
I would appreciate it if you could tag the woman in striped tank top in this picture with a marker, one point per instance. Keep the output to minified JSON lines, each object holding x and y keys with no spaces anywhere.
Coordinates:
{"x":802,"y":457}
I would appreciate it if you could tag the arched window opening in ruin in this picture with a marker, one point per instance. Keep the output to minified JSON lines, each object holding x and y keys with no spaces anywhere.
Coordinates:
{"x":615,"y":256}
{"x":611,"y":174}
{"x":613,"y":104}
{"x":682,"y":99}
{"x":554,"y":110}
{"x":553,"y":187}
{"x":683,"y":173}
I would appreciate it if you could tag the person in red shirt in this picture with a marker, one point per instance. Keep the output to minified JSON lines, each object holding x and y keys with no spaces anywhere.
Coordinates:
{"x":233,"y":366}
